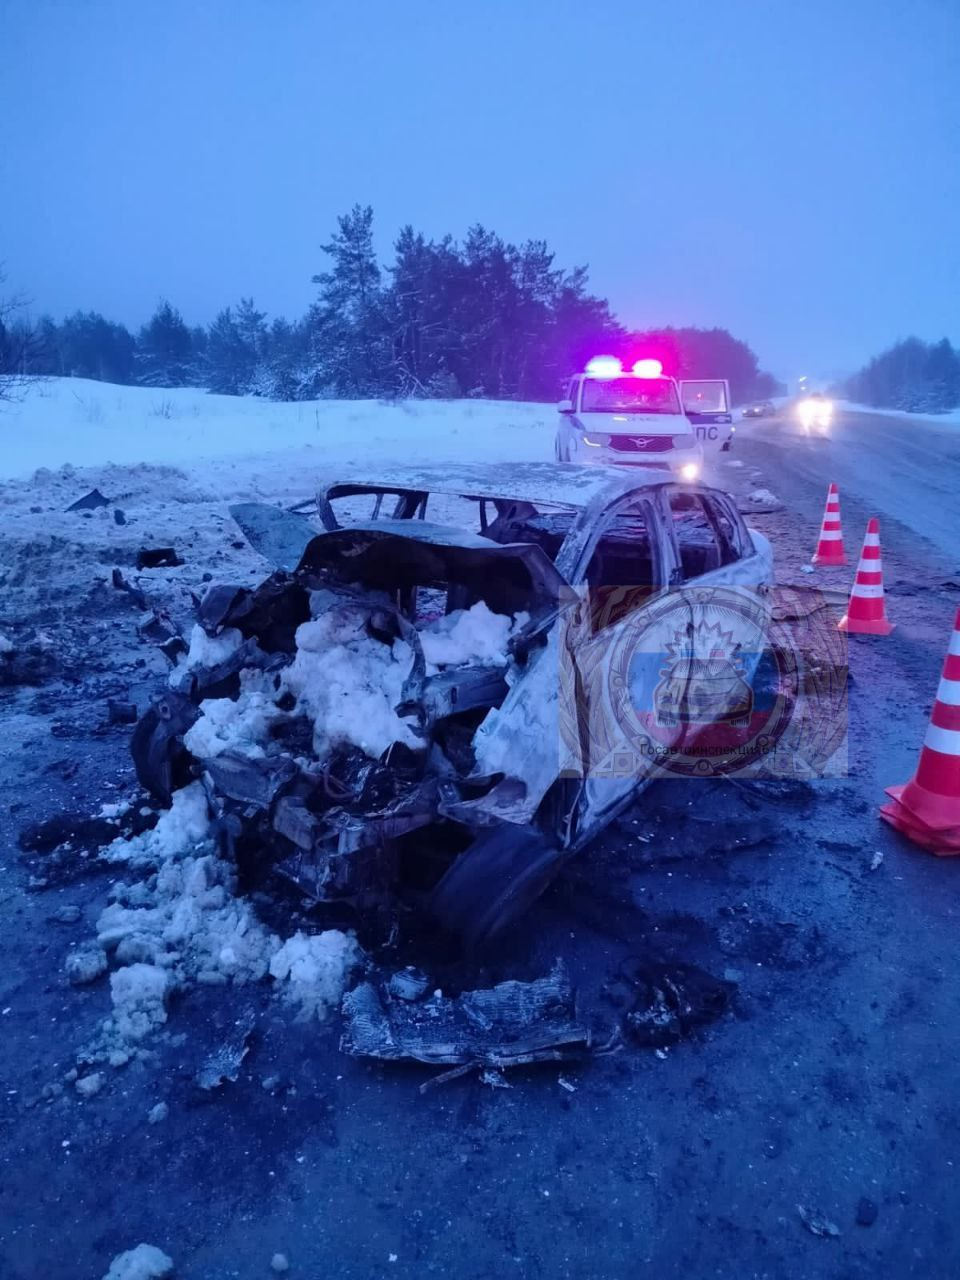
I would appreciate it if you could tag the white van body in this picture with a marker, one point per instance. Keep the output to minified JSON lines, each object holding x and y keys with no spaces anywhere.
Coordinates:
{"x":631,"y":420}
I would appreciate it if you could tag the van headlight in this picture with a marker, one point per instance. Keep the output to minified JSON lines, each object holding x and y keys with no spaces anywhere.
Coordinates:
{"x":595,"y":441}
{"x":690,"y":471}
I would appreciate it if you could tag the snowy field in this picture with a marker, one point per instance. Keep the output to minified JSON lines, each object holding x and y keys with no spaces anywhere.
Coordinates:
{"x":243,"y":442}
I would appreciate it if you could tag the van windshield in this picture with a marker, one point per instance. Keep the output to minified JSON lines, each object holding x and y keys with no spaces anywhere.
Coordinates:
{"x":629,"y":395}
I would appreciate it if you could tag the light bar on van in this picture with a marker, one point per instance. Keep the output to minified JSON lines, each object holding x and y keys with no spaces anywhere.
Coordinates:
{"x":604,"y":367}
{"x":648,"y":368}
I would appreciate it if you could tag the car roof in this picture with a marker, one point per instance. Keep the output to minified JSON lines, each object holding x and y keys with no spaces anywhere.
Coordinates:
{"x":544,"y":482}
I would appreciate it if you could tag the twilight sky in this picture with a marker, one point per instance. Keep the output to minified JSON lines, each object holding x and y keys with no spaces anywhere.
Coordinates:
{"x":788,"y":170}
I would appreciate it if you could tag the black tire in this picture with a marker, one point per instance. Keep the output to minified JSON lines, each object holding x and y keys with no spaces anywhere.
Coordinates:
{"x":494,"y":882}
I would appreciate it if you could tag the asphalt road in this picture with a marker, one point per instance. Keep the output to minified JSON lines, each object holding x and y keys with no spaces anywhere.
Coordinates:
{"x":905,"y":471}
{"x":833,"y":1080}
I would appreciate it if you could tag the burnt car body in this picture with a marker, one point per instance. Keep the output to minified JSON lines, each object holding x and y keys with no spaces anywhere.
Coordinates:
{"x":508,"y":765}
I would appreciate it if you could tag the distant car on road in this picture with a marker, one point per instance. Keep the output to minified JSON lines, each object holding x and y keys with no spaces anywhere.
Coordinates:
{"x":760,"y":409}
{"x":815,"y":413}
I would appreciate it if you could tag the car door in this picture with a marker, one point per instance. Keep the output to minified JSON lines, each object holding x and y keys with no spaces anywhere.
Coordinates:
{"x":706,"y":402}
{"x":615,"y":642}
{"x":726,"y":582}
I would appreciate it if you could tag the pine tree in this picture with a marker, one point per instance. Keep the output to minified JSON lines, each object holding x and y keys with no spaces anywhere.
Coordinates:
{"x":419,"y":308}
{"x":227,"y":366}
{"x":942,"y":375}
{"x":349,"y":350}
{"x":165,"y":350}
{"x":91,"y":346}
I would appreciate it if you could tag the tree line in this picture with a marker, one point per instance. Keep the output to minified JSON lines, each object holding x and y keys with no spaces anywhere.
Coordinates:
{"x":444,"y":319}
{"x":912,"y":375}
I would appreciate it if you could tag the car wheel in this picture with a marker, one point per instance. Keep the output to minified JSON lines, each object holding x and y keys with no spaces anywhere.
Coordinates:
{"x":494,"y":882}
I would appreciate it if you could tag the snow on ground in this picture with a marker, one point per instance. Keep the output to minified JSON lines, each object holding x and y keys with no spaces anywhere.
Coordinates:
{"x":313,"y":968}
{"x":94,"y":424}
{"x":182,"y":923}
{"x":171,"y":462}
{"x":145,"y":1262}
{"x":949,"y":420}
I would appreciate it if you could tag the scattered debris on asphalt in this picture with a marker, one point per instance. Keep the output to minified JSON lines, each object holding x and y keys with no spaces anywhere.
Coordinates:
{"x":866,"y":1212}
{"x":760,"y":502}
{"x":120,"y":583}
{"x":817,"y":1224}
{"x":121,"y":712}
{"x":65,"y":915}
{"x":89,"y":502}
{"x":671,"y":1001}
{"x":224,"y":1064}
{"x":512,"y":1024}
{"x":158,"y":558}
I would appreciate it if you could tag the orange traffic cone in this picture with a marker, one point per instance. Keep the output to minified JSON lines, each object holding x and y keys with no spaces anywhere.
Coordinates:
{"x":830,"y":547}
{"x":866,"y":612}
{"x":927,"y":809}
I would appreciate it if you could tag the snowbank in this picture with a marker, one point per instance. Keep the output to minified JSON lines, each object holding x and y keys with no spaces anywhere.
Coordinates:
{"x":949,"y":420}
{"x":86,"y":423}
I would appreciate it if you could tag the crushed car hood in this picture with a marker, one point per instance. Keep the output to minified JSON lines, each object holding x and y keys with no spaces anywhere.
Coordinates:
{"x":395,"y":554}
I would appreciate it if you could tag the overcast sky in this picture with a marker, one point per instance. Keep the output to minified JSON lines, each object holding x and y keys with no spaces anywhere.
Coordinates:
{"x":788,"y":170}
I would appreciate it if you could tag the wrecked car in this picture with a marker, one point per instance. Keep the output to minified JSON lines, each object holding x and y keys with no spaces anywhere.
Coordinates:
{"x":460,"y":678}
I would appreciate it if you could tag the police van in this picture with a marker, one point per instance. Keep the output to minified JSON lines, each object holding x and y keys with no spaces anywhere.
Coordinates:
{"x":642,"y":418}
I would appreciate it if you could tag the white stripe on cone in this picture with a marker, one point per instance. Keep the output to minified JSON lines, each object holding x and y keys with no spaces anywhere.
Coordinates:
{"x":946,"y":741}
{"x":953,"y":648}
{"x":830,"y":535}
{"x":872,"y":540}
{"x":948,"y":692}
{"x":870,"y":566}
{"x":868,"y":592}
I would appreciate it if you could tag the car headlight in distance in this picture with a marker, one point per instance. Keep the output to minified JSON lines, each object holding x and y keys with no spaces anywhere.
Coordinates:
{"x":690,"y":471}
